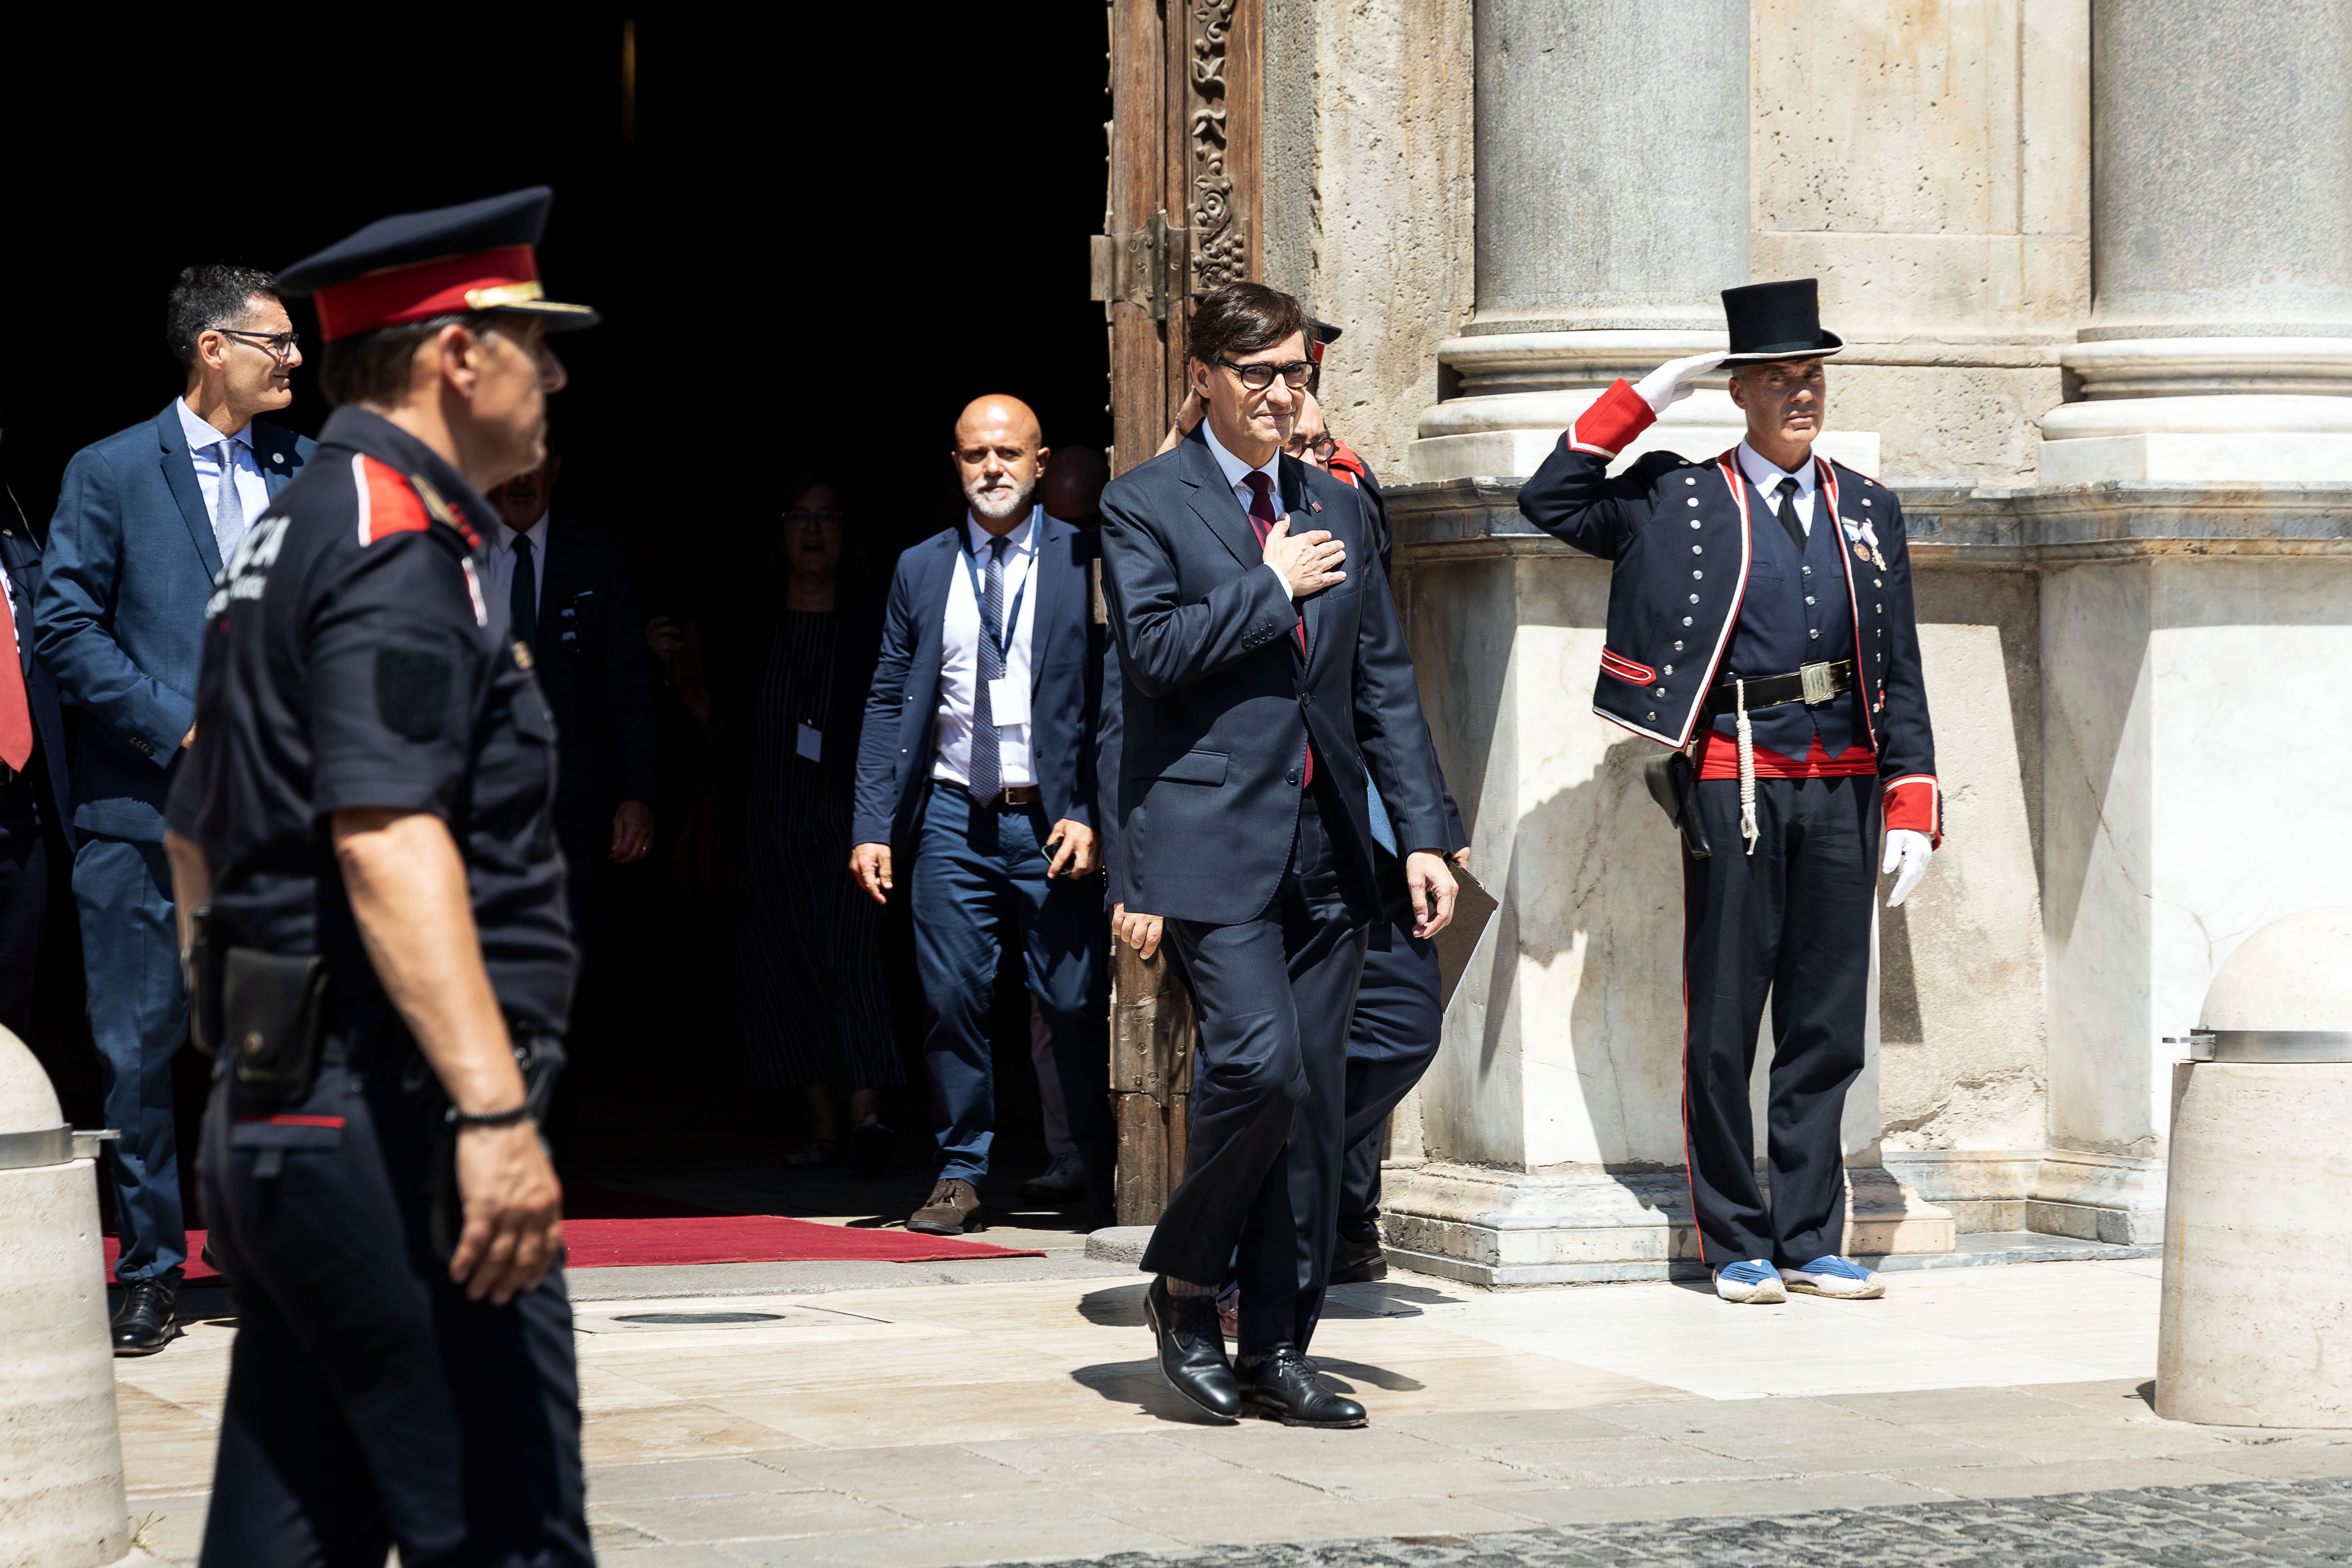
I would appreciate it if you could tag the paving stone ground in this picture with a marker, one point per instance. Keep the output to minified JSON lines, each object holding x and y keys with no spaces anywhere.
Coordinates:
{"x":2273,"y":1524}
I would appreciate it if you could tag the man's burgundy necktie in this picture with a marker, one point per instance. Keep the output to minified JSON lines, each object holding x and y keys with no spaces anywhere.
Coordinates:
{"x":1262,"y":519}
{"x":15,"y":713}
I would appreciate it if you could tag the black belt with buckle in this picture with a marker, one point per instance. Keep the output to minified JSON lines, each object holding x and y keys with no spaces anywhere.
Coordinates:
{"x":1011,"y":795}
{"x":1811,"y":684}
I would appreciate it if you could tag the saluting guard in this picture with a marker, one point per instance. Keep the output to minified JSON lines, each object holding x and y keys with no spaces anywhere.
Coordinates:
{"x":385,"y":962}
{"x":1760,"y":625}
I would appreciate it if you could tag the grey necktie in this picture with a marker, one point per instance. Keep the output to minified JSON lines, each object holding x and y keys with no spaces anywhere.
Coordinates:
{"x":228,"y":509}
{"x":987,"y":759}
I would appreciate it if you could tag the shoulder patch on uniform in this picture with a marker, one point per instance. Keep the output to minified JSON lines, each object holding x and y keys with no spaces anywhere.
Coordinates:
{"x":412,"y":691}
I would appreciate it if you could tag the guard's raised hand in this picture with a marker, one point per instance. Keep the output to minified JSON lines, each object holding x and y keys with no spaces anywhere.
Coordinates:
{"x":1671,"y":382}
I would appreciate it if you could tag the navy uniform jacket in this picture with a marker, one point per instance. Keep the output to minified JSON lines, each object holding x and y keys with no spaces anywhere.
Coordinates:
{"x":1217,"y":703}
{"x":129,"y":563}
{"x":598,"y":678}
{"x":22,"y":559}
{"x":353,"y":660}
{"x":1683,"y":538}
{"x":900,"y":737}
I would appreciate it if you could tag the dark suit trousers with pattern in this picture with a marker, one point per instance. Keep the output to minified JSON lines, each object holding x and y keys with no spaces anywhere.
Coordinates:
{"x":1261,"y":1191}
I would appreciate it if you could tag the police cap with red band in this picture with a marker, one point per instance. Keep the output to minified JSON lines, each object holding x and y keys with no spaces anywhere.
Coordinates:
{"x":476,"y":257}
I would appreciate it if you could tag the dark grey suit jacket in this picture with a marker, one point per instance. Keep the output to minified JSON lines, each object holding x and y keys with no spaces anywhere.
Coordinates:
{"x":1217,"y":703}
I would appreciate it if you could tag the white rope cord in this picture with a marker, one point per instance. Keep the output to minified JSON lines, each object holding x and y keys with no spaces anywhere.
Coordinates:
{"x":1747,"y":768}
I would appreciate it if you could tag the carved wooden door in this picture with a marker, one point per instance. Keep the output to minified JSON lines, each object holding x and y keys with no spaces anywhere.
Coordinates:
{"x":1184,"y":159}
{"x":1180,"y":220}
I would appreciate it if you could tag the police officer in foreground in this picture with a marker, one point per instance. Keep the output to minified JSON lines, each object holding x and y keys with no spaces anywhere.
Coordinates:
{"x":383,"y":962}
{"x":1760,"y":624}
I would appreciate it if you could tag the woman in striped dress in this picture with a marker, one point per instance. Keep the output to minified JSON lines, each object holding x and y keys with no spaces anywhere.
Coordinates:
{"x":817,"y":1012}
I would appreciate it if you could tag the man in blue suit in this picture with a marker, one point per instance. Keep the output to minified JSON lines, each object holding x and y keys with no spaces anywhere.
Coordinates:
{"x":34,"y":796}
{"x":977,"y":763}
{"x":144,"y":521}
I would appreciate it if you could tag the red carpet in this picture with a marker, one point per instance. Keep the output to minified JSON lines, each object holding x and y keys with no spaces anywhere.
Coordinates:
{"x":604,"y":1229}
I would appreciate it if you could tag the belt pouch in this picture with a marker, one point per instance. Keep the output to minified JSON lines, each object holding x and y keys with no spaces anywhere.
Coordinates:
{"x":1670,"y":785}
{"x":273,"y":1013}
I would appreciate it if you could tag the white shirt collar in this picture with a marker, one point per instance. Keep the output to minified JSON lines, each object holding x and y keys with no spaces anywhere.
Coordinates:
{"x":1234,"y":469}
{"x":1023,"y":534}
{"x":1766,"y":475}
{"x":536,"y":532}
{"x":201,"y":435}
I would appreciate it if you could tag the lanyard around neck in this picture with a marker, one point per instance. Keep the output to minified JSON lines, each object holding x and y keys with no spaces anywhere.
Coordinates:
{"x":1001,"y":637}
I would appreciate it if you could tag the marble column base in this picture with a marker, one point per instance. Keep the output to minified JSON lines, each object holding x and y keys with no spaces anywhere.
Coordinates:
{"x":1583,"y":1225}
{"x":2117,"y":1199}
{"x":2226,"y":410}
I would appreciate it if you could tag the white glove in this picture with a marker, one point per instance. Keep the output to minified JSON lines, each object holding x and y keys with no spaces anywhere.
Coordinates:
{"x":1670,"y":382}
{"x":1907,"y":848}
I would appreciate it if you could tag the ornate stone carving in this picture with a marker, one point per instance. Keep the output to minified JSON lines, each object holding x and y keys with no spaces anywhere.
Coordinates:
{"x":1220,"y":249}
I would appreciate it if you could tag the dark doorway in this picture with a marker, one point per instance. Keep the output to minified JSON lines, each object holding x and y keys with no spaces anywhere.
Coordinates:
{"x":813,"y":236}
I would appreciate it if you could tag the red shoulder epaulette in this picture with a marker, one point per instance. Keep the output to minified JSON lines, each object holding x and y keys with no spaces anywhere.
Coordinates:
{"x":392,"y":502}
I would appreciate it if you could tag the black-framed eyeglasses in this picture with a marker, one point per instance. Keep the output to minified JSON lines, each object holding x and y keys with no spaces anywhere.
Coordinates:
{"x":1259,"y":376}
{"x":822,"y":515}
{"x":1298,"y":447}
{"x":279,"y":346}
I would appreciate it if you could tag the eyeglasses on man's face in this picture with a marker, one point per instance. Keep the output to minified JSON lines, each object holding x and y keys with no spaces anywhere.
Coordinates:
{"x":1258,"y":377}
{"x":812,"y":517}
{"x":279,"y":346}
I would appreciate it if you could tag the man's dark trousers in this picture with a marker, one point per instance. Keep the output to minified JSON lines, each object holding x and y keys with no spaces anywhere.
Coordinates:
{"x":980,"y":879}
{"x":370,"y":1403}
{"x":139,"y":1016}
{"x":1268,"y":1107}
{"x":23,"y":897}
{"x":1792,"y":919}
{"x":1390,"y":1044}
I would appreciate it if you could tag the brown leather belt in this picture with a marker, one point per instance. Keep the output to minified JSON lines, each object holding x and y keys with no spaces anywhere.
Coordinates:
{"x":1810,"y":684}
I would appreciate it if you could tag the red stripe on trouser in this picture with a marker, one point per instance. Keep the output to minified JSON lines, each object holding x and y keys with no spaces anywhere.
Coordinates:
{"x":294,"y":1121}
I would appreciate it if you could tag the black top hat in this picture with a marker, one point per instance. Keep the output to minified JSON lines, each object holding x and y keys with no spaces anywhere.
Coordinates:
{"x":1777,"y":321}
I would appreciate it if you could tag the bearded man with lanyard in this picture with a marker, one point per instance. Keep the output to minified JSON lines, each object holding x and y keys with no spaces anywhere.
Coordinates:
{"x":1760,"y":621}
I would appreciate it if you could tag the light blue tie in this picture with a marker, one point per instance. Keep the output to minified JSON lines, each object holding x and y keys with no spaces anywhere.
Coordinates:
{"x":228,"y":509}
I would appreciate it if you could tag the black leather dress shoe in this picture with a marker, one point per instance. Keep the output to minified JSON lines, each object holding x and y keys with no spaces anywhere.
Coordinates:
{"x":1192,"y":1351}
{"x":1283,"y":1388}
{"x":144,"y":1323}
{"x":1359,"y":1262}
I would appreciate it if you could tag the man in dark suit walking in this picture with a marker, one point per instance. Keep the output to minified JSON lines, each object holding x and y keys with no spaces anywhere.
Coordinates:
{"x":144,"y":521}
{"x":567,"y":587}
{"x":34,"y":799}
{"x":976,"y":764}
{"x":1264,"y":687}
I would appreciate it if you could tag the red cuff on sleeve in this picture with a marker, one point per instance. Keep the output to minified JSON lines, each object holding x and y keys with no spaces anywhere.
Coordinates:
{"x":1914,"y":802}
{"x":1616,"y":416}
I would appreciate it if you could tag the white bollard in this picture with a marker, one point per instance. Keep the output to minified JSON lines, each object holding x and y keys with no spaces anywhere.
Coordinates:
{"x":2257,"y":1316}
{"x":60,"y":1448}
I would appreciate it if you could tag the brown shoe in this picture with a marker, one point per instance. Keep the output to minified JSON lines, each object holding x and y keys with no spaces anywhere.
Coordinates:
{"x":954,"y":1209}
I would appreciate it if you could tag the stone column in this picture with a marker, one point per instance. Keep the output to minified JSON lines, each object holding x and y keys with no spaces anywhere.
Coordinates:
{"x":2219,"y":346}
{"x":1612,"y":209}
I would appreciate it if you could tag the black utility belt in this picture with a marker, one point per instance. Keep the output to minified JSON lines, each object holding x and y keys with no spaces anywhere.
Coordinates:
{"x":262,"y":1016}
{"x":1810,"y":684}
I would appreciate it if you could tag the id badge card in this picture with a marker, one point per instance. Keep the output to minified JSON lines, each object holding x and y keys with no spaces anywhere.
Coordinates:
{"x":810,"y":744}
{"x":1008,"y":702}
